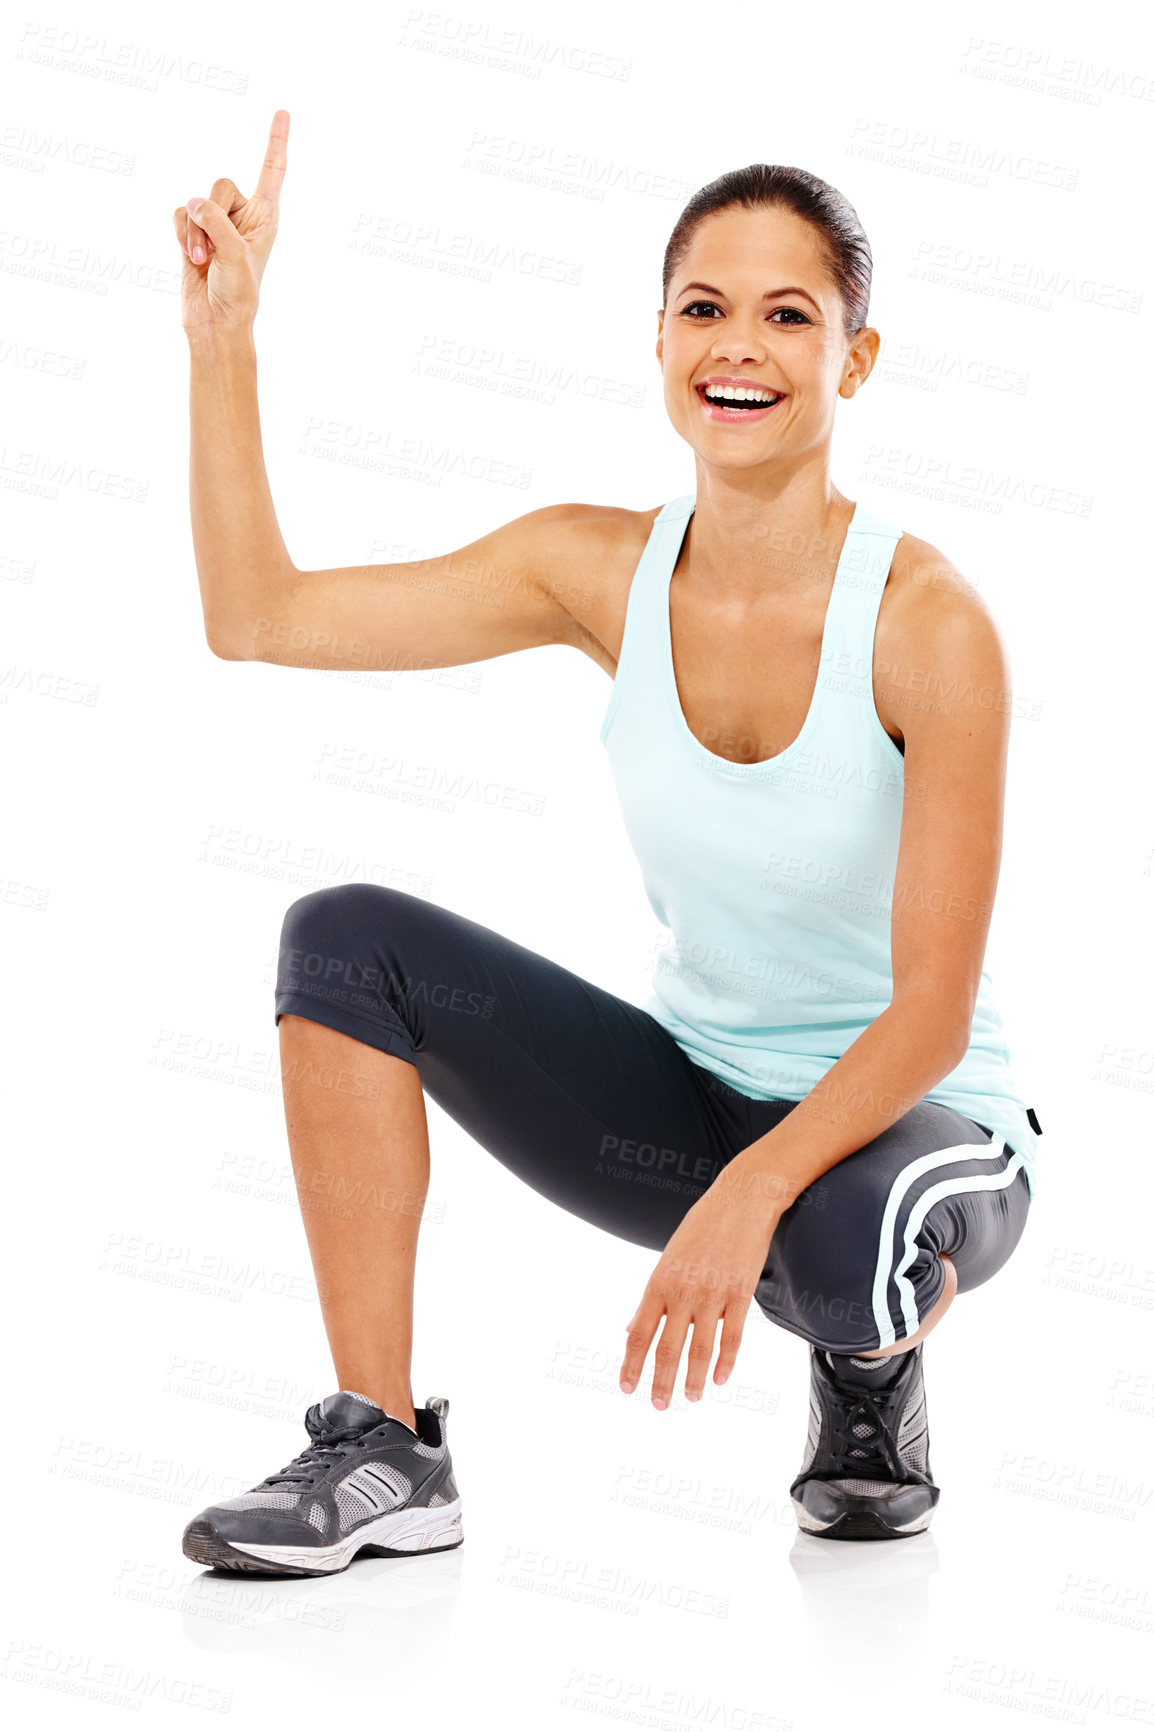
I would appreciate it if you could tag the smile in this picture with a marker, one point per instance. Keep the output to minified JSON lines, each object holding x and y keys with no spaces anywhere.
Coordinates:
{"x":737,"y":404}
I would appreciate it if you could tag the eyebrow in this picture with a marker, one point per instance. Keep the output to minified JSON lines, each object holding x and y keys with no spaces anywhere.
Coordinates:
{"x":770,"y":294}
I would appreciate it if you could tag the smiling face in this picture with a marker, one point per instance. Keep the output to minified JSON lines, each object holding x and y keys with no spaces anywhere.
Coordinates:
{"x":752,"y":308}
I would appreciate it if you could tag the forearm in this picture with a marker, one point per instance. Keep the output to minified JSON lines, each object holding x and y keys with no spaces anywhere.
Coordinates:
{"x":236,"y":538}
{"x":903,"y":1054}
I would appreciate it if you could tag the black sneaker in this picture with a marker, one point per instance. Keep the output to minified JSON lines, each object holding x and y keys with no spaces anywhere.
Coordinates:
{"x":866,"y":1473}
{"x":366,"y":1483}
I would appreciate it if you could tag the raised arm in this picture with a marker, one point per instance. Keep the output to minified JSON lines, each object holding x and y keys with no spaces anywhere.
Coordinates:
{"x":503,"y":592}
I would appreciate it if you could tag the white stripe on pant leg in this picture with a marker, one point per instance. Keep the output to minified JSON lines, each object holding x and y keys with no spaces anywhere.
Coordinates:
{"x":947,"y":1188}
{"x":907,"y":1176}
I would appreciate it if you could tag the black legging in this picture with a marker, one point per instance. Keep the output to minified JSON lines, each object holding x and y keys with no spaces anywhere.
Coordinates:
{"x":589,"y":1100}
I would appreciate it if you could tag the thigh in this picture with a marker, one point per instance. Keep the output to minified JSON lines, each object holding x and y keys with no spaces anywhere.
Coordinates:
{"x":856,"y":1262}
{"x":584,"y":1096}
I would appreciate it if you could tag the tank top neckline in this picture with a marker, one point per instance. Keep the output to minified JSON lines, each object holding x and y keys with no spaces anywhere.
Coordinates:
{"x":685,"y":508}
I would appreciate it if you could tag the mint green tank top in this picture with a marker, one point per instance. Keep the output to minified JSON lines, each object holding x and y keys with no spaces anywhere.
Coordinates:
{"x":775,"y":880}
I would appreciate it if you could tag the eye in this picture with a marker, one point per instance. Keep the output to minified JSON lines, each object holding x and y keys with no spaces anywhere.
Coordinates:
{"x":796,"y":314}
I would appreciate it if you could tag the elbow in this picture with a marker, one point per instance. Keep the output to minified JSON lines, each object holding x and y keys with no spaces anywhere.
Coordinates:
{"x":942,"y":1049}
{"x":225,"y":649}
{"x":244,"y":626}
{"x":231,"y":638}
{"x":956,"y":1050}
{"x":943,"y":1026}
{"x":959,"y":1033}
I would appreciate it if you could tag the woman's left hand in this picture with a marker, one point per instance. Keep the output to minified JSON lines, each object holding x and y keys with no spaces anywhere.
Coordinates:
{"x":708,"y":1273}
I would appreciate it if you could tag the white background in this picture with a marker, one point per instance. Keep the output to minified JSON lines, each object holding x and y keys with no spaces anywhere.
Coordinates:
{"x":163,"y":808}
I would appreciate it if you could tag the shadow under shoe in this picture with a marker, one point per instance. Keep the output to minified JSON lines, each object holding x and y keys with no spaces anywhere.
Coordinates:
{"x":866,"y":1470}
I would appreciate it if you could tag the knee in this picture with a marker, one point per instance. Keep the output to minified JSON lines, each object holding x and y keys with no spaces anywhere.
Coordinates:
{"x":825,"y":1248}
{"x":346,"y":909}
{"x":330,"y":932}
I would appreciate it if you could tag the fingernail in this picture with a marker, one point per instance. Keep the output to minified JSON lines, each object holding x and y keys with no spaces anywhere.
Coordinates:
{"x":628,"y":1388}
{"x":659,"y":1401}
{"x":693,"y":1395}
{"x":723,"y":1378}
{"x":193,"y":205}
{"x":198,"y":255}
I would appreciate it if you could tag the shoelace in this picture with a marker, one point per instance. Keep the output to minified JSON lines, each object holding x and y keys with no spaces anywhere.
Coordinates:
{"x":320,"y":1454}
{"x":860,"y":1453}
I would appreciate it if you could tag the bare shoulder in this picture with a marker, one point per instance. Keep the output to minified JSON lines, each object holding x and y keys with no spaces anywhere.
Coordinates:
{"x":938,"y":647}
{"x":587,"y":555}
{"x":579,"y":527}
{"x":928,"y":601}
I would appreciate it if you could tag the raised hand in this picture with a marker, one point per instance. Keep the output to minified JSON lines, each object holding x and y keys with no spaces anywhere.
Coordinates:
{"x":227,"y":238}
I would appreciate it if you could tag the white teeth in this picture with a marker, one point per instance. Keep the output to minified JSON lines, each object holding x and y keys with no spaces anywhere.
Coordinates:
{"x":739,"y":394}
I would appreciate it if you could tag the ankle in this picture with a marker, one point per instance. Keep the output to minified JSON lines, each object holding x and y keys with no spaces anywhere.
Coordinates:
{"x":388,"y":1398}
{"x":402,"y":1410}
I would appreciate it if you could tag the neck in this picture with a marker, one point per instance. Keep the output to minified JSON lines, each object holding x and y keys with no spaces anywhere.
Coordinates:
{"x":744,"y":543}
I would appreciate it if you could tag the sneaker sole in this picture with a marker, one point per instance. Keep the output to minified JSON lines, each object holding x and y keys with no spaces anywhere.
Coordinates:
{"x":862,"y":1523}
{"x":398,"y":1533}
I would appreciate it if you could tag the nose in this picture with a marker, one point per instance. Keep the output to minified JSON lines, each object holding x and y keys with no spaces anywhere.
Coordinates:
{"x":741,"y":340}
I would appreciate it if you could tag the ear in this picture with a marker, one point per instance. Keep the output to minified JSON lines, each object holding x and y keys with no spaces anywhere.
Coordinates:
{"x":660,"y":331}
{"x":863,"y":355}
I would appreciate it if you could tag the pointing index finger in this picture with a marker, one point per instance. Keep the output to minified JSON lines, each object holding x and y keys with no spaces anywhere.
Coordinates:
{"x":272,"y":170}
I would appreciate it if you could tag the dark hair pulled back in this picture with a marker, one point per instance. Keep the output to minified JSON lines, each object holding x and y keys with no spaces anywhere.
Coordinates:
{"x":847,"y":251}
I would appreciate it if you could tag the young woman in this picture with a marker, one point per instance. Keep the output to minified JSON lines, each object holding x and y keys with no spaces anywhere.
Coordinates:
{"x":808,"y":730}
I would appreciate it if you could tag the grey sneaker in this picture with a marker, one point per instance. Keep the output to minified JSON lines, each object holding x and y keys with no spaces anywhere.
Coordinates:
{"x":866,"y":1473}
{"x":367,"y":1483}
